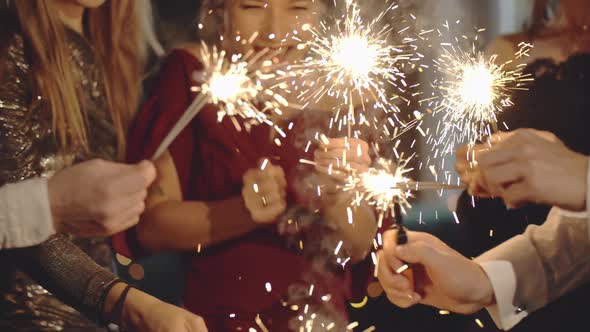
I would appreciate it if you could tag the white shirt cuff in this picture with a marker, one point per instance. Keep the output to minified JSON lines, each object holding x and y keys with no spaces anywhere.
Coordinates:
{"x":25,"y":214}
{"x":503,"y":279}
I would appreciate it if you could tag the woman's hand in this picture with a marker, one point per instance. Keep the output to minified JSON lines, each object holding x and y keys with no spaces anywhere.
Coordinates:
{"x":443,"y":278}
{"x":143,"y":312}
{"x":339,"y":156}
{"x":531,"y":166}
{"x":99,"y":198}
{"x":466,"y":167}
{"x":264,"y":192}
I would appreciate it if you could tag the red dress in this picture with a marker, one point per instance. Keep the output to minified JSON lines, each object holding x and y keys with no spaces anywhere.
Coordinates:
{"x":226,"y":283}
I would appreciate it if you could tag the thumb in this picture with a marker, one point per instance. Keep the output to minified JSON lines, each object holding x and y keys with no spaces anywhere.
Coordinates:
{"x":147,"y":169}
{"x":418,"y":252}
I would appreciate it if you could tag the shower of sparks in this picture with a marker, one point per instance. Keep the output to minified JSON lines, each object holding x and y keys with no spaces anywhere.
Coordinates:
{"x":386,"y":184}
{"x":381,"y":186}
{"x":353,"y":62}
{"x":234,"y":84}
{"x":473,"y":89}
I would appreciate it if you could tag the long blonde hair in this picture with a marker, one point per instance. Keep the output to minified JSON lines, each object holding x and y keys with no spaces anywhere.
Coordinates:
{"x":115,"y":32}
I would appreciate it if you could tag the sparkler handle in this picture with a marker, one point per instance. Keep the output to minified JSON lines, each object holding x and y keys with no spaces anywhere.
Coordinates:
{"x":402,"y":238}
{"x":192,"y":111}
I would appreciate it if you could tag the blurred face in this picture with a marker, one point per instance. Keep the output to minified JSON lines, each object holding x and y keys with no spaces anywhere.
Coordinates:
{"x":280,"y":26}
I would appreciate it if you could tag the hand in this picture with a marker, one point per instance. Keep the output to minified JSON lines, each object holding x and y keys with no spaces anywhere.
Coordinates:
{"x":338,"y":157}
{"x":143,"y":312}
{"x":264,"y":192}
{"x":466,"y":167}
{"x":99,"y":198}
{"x":443,"y":278}
{"x":530,"y":166}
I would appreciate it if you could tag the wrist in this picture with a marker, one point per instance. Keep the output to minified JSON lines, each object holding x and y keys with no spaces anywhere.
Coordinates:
{"x":135,"y":309}
{"x":55,"y":205}
{"x":486,"y":296}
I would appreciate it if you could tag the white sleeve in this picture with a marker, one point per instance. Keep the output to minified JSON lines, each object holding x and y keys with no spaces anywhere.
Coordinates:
{"x":25,"y":214}
{"x":503,"y":279}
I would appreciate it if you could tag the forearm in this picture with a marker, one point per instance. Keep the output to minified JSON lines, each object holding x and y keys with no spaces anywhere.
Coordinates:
{"x":555,"y":253}
{"x":184,"y":225}
{"x":67,"y":272}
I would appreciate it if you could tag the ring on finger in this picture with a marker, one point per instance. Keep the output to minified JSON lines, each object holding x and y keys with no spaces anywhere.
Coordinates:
{"x":264,"y":201}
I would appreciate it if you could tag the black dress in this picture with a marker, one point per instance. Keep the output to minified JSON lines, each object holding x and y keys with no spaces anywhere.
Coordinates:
{"x":557,"y":101}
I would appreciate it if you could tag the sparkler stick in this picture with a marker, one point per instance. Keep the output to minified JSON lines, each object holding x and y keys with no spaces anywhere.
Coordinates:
{"x":231,"y":86}
{"x":192,"y":111}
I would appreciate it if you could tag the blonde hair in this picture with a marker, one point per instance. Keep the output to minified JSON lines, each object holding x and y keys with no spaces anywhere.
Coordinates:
{"x":115,"y":31}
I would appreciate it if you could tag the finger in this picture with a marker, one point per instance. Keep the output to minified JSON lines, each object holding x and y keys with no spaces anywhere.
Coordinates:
{"x":279,"y":176}
{"x":497,"y":156}
{"x":419,"y":252}
{"x":403,"y":300}
{"x":119,"y":206}
{"x":502,"y":175}
{"x":517,"y":194}
{"x":134,"y":178}
{"x":275,"y":209}
{"x":269,"y":187}
{"x":391,"y":280}
{"x":391,"y":258}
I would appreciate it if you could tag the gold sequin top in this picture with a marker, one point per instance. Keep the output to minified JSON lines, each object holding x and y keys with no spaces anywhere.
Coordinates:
{"x":28,"y":149}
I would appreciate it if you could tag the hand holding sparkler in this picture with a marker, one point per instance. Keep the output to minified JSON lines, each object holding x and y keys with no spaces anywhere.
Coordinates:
{"x":337,"y":157}
{"x":443,"y":278}
{"x":264,"y":192}
{"x":530,"y":166}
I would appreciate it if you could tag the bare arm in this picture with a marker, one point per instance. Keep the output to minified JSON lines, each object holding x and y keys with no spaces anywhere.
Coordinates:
{"x":170,"y":223}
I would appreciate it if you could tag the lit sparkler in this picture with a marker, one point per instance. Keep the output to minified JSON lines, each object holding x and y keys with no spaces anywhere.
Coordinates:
{"x":474,"y":90}
{"x":234,"y":85}
{"x":382,"y":186}
{"x":387,"y":184}
{"x":353,"y":61}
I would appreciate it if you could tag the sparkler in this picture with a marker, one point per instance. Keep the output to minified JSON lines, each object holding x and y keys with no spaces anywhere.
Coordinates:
{"x":353,"y":61}
{"x":474,"y":89}
{"x":381,"y":186}
{"x":387,"y":184}
{"x":233,"y":85}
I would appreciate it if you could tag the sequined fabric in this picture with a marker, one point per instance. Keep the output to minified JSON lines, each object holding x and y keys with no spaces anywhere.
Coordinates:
{"x":28,"y":148}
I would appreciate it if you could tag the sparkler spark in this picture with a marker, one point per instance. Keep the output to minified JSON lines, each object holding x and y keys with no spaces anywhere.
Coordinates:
{"x":352,"y":60}
{"x":381,"y":186}
{"x":474,"y":90}
{"x":235,"y":85}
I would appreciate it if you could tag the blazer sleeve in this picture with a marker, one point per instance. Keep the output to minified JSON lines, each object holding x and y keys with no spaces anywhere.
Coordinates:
{"x":548,"y":260}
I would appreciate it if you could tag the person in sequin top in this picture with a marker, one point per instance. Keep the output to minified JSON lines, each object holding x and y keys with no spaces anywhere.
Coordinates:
{"x":63,"y":110}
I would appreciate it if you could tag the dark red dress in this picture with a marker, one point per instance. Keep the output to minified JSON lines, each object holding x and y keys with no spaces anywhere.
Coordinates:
{"x":226,"y":283}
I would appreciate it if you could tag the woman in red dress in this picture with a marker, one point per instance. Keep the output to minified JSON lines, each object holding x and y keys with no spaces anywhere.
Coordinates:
{"x":257,"y":242}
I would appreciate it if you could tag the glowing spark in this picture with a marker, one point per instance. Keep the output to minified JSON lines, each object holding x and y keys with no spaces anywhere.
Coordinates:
{"x":381,"y":186}
{"x":479,"y":323}
{"x":352,"y":60}
{"x":268,"y":287}
{"x":473,"y":90}
{"x":234,"y":86}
